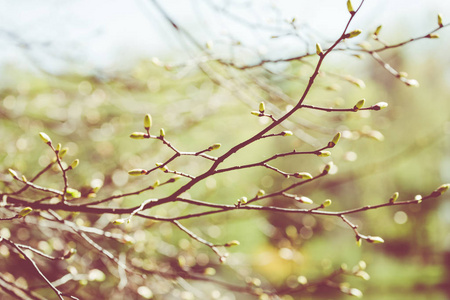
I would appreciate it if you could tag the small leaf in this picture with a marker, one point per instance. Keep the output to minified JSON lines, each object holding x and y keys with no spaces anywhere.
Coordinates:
{"x":147,"y":122}
{"x":45,"y":138}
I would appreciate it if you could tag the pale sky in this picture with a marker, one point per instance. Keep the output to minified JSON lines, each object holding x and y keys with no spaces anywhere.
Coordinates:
{"x":112,"y":34}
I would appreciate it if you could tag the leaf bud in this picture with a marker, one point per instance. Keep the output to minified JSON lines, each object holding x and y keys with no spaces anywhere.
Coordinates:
{"x":327,"y":168}
{"x":162,"y":133}
{"x":379,"y":106}
{"x":303,"y":199}
{"x":303,"y":175}
{"x":350,"y":7}
{"x":326,"y":203}
{"x":70,"y":253}
{"x":232,"y":243}
{"x":433,"y":36}
{"x":74,"y":164}
{"x":323,"y":153}
{"x":161,"y":167}
{"x":440,"y":190}
{"x":394,"y":197}
{"x":45,"y":138}
{"x":63,"y":152}
{"x":256,"y":113}
{"x":13,"y":174}
{"x":286,"y":133}
{"x":418,"y":198}
{"x":242,"y":200}
{"x":319,"y":50}
{"x":377,"y":31}
{"x":24,"y":179}
{"x":118,"y":222}
{"x":439,"y":20}
{"x":353,"y":34}
{"x":355,"y":292}
{"x":358,"y":241}
{"x":174,"y":178}
{"x":359,"y":104}
{"x":157,"y":183}
{"x":58,"y":147}
{"x":262,"y":107}
{"x":260,"y":193}
{"x":138,"y":135}
{"x":374,"y":239}
{"x":137,"y":172}
{"x":147,"y":122}
{"x":214,"y":146}
{"x":362,"y":274}
{"x":335,"y":140}
{"x":73,"y":193}
{"x":25,"y":211}
{"x":302,"y":280}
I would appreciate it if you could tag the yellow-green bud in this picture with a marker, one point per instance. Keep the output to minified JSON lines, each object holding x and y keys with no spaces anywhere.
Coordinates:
{"x":255,"y":113}
{"x":138,"y":135}
{"x":58,"y":147}
{"x":302,"y":280}
{"x":326,"y":203}
{"x":162,"y":133}
{"x":327,"y":168}
{"x":260,"y":193}
{"x":147,"y":122}
{"x":45,"y":138}
{"x":440,"y":190}
{"x":286,"y":133}
{"x":319,"y":50}
{"x":353,"y":34}
{"x":25,"y":211}
{"x":303,"y":175}
{"x":232,"y":243}
{"x":242,"y":200}
{"x":363,"y":274}
{"x":433,"y":36}
{"x":394,"y":197}
{"x":350,"y":7}
{"x":262,"y":107}
{"x":335,"y":140}
{"x":377,"y":31}
{"x":24,"y":179}
{"x":13,"y":174}
{"x":73,"y":193}
{"x":70,"y":253}
{"x":303,"y":199}
{"x":137,"y":172}
{"x":161,"y":167}
{"x":323,"y":153}
{"x":118,"y":222}
{"x":358,"y":241}
{"x":355,"y":292}
{"x":214,"y":147}
{"x":74,"y":164}
{"x":439,"y":19}
{"x":157,"y":183}
{"x":63,"y":152}
{"x":379,"y":106}
{"x":174,"y":178}
{"x":375,"y":239}
{"x":359,"y":104}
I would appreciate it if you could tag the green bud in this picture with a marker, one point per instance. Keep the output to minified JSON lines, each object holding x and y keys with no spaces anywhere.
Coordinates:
{"x":118,"y":222}
{"x":74,"y":164}
{"x":174,"y":178}
{"x":303,"y":175}
{"x":58,"y":147}
{"x":302,"y":280}
{"x":232,"y":243}
{"x":327,"y":168}
{"x":353,"y":34}
{"x":242,"y":200}
{"x":379,"y":106}
{"x":303,"y":199}
{"x":358,"y":241}
{"x":355,"y":292}
{"x":260,"y":193}
{"x":377,"y":31}
{"x":374,"y":239}
{"x":137,"y":172}
{"x":162,"y":133}
{"x":433,"y":36}
{"x":157,"y":183}
{"x":359,"y":104}
{"x":70,"y":253}
{"x":13,"y":174}
{"x":63,"y":152}
{"x":439,"y":19}
{"x":24,"y":179}
{"x":161,"y":167}
{"x":286,"y":133}
{"x":394,"y":197}
{"x":138,"y":135}
{"x":73,"y":193}
{"x":25,"y":211}
{"x":214,"y":147}
{"x":45,"y":138}
{"x":262,"y":107}
{"x":350,"y":7}
{"x":326,"y":203}
{"x":255,"y":113}
{"x":147,"y":122}
{"x":335,"y":140}
{"x":319,"y":50}
{"x":440,"y":190}
{"x":323,"y":153}
{"x":363,"y":274}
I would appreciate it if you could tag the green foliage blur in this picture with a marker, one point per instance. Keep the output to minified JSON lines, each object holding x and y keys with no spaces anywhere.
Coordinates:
{"x":403,"y":148}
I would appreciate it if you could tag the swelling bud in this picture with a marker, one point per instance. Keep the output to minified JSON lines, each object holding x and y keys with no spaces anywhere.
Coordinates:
{"x":45,"y":138}
{"x":147,"y":122}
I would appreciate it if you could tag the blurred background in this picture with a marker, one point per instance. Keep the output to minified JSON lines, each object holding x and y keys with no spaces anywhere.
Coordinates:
{"x":87,"y":72}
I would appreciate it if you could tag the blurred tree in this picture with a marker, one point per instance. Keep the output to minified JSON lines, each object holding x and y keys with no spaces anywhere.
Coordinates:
{"x":221,"y":203}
